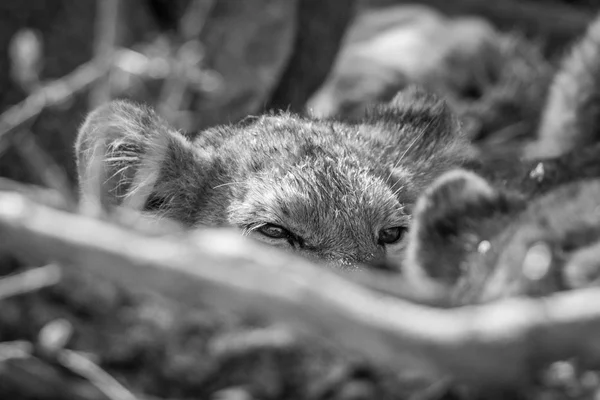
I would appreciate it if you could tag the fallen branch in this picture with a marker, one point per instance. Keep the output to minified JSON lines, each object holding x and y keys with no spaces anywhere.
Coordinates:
{"x":495,"y":344}
{"x":383,"y":282}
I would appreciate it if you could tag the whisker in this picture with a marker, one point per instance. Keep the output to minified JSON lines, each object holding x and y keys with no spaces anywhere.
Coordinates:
{"x":408,"y":148}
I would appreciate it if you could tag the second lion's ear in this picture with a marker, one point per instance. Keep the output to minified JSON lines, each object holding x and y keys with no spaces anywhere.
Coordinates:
{"x":142,"y":159}
{"x":449,"y":222}
{"x":424,"y":125}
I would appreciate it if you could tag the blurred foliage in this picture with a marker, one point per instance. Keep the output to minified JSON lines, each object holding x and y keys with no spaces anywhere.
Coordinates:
{"x":67,"y":28}
{"x":67,"y":31}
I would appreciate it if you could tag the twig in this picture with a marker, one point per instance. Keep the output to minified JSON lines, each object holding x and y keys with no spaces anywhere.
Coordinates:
{"x":50,"y":351}
{"x":15,"y":349}
{"x":395,"y":285}
{"x":85,"y":368}
{"x":174,"y":92}
{"x":18,"y":116}
{"x":45,"y":167}
{"x":35,"y":378}
{"x":385,"y":283}
{"x":494,"y":344}
{"x":107,"y":19}
{"x":47,"y":196}
{"x":123,"y":217}
{"x":194,"y":19}
{"x":29,"y":281}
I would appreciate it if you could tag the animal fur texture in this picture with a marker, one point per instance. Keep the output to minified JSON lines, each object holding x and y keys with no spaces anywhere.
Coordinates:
{"x":571,"y":116}
{"x":335,"y":192}
{"x":484,"y":242}
{"x":495,"y":82}
{"x":341,"y":193}
{"x":522,"y":226}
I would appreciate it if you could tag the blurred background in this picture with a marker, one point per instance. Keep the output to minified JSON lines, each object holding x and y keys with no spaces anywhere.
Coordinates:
{"x":207,"y":62}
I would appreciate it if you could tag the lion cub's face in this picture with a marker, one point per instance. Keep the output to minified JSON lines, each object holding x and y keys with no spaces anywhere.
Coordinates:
{"x":337,"y":193}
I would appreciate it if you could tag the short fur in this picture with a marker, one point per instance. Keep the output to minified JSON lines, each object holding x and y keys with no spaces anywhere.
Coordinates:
{"x":451,"y":218}
{"x":482,"y":226}
{"x":572,"y":112}
{"x":474,"y":238}
{"x":334,"y":185}
{"x":495,"y":81}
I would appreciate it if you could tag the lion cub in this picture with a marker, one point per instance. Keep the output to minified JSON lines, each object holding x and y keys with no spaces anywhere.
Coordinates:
{"x":339,"y":193}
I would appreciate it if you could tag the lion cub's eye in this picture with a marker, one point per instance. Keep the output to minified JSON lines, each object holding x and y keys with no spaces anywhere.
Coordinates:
{"x":391,"y":235}
{"x":274,"y":231}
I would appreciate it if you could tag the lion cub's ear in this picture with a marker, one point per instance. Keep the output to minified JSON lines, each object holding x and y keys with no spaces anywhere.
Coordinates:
{"x":142,"y":158}
{"x":450,"y":220}
{"x":425,"y":126}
